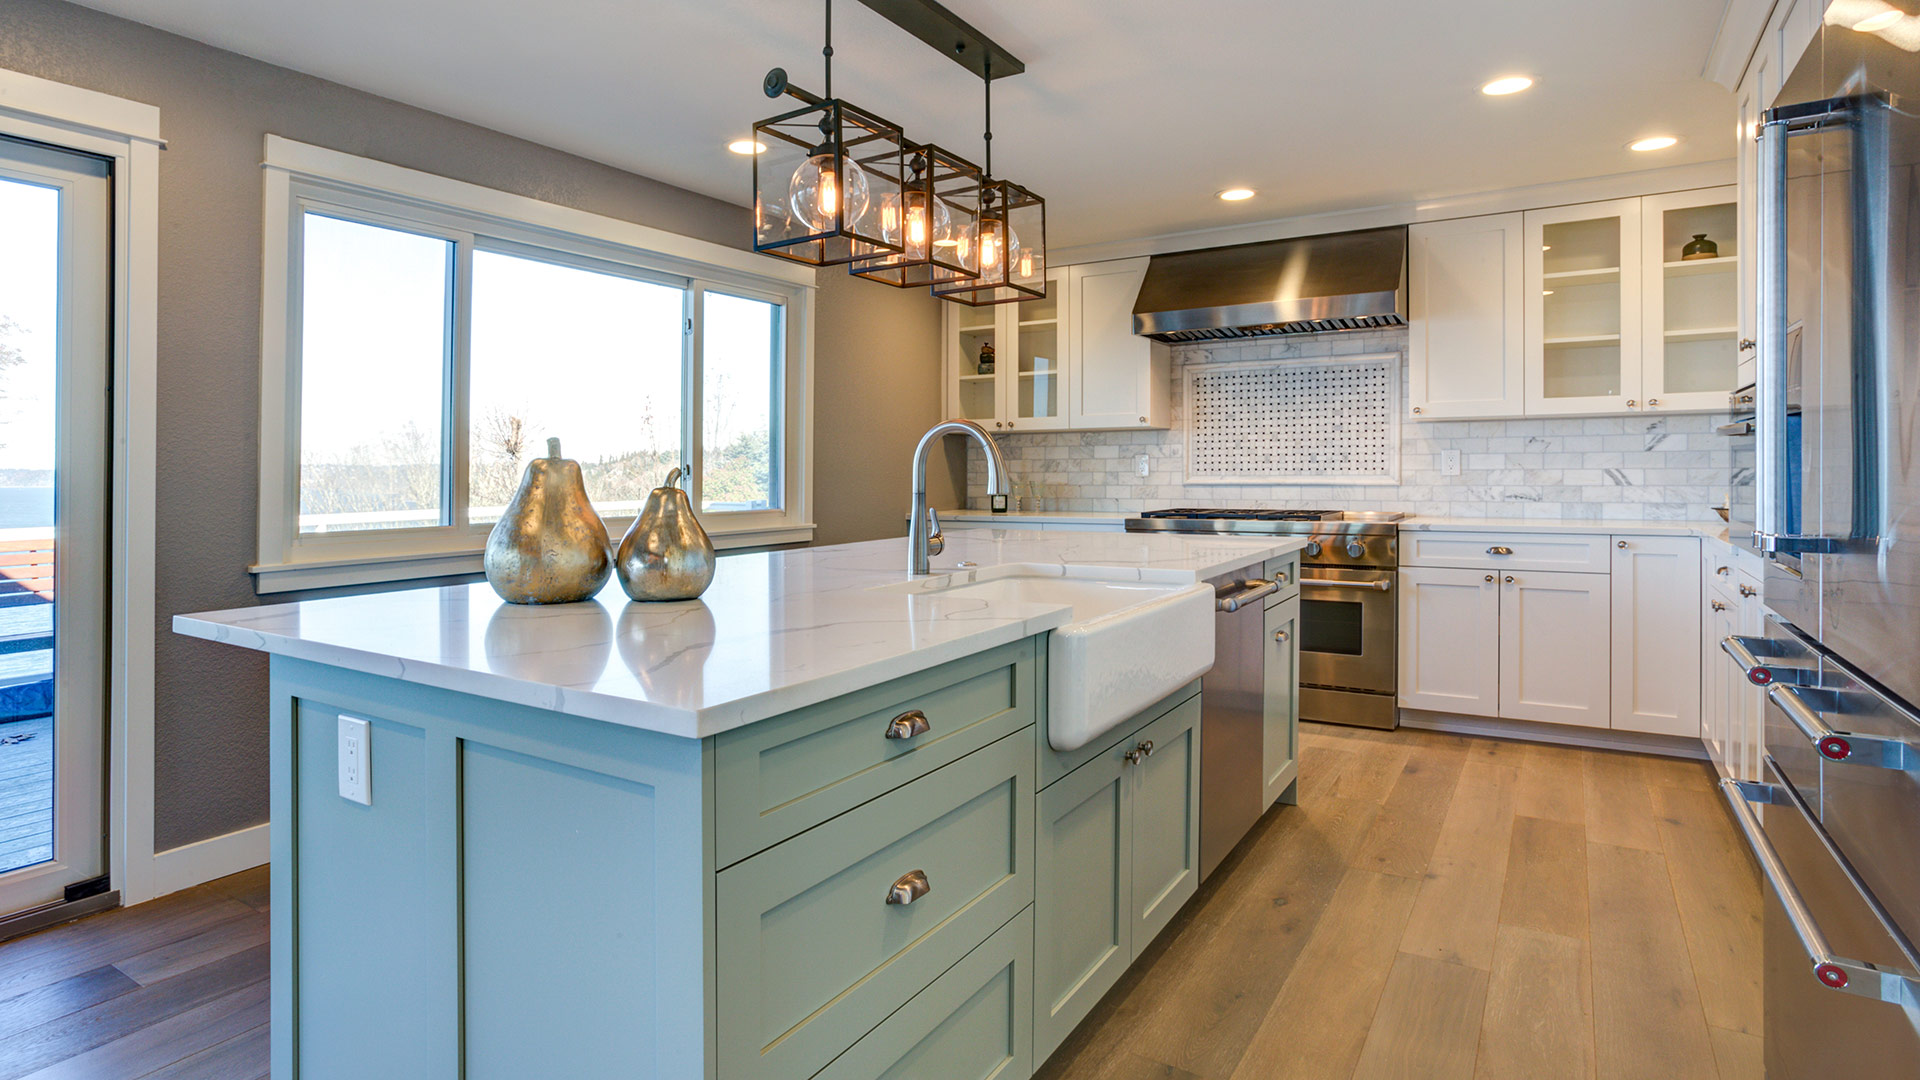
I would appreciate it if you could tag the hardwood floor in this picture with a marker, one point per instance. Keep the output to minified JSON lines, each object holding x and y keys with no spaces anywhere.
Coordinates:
{"x":1440,"y":906}
{"x":1436,"y":907}
{"x":171,"y":990}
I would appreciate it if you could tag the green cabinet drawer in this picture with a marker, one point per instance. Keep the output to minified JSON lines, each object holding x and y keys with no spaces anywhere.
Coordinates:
{"x":780,"y":777}
{"x":1284,"y":572}
{"x":974,"y":1023}
{"x":1166,"y":821}
{"x":810,"y":955}
{"x":1082,"y":923}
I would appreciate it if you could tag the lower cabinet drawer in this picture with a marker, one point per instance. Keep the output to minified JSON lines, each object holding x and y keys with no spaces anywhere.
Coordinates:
{"x":974,"y":1023}
{"x":809,"y":951}
{"x":1586,"y":553}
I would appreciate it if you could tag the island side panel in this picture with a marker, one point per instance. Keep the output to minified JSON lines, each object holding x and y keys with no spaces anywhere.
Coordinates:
{"x":527,"y":891}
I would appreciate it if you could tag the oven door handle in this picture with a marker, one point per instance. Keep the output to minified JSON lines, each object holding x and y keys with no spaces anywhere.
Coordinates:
{"x":1244,"y":593}
{"x":1834,"y":972}
{"x":1342,"y":583}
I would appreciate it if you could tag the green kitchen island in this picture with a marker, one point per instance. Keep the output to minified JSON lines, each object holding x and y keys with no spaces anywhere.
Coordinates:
{"x":817,"y":823}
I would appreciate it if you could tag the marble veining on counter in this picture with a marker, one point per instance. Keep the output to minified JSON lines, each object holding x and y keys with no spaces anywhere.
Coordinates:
{"x":777,"y":631}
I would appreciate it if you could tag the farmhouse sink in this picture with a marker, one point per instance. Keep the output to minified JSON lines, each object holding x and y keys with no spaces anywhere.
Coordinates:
{"x":1133,"y":638}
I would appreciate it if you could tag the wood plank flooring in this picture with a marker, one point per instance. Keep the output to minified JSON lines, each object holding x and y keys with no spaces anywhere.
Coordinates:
{"x":26,"y":792}
{"x":171,"y":990}
{"x":1436,"y":907}
{"x":1440,"y":906}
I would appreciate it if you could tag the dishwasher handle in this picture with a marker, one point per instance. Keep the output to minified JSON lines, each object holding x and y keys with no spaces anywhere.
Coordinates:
{"x":1834,"y":972}
{"x":1241,"y":593}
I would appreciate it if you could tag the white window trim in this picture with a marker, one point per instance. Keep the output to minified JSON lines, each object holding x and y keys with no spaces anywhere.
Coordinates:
{"x":128,"y":133}
{"x":298,"y":174}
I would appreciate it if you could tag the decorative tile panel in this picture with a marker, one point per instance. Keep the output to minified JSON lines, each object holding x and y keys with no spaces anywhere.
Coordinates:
{"x":1294,"y":421}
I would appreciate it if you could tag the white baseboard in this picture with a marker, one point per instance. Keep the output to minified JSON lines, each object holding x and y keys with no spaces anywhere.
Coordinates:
{"x":1562,"y":734}
{"x":215,"y":857}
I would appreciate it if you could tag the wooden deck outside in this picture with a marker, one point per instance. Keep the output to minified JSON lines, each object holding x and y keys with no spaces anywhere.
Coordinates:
{"x":26,"y":701}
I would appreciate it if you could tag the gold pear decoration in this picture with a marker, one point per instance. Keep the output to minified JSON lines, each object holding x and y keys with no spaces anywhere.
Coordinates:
{"x":666,"y":555}
{"x":549,"y":547}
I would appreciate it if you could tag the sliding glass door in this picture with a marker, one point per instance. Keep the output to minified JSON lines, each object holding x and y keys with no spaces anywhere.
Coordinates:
{"x":55,"y":275}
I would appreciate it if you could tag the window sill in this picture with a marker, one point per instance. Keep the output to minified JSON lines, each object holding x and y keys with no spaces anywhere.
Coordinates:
{"x":329,"y":573}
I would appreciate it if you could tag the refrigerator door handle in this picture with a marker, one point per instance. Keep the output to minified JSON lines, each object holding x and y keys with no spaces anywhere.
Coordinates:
{"x":1855,"y":749}
{"x":1834,"y":972}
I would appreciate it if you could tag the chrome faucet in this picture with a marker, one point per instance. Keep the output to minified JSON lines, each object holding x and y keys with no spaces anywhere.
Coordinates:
{"x":923,"y":526}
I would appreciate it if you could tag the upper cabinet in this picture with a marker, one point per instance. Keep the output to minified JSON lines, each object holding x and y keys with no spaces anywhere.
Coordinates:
{"x":1625,"y":306}
{"x":1116,"y":378}
{"x":1583,"y":308}
{"x":1007,"y":365}
{"x":1069,"y":360}
{"x":1464,"y":352}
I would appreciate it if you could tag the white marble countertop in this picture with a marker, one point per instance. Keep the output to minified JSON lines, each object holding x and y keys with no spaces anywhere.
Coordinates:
{"x":777,"y":630}
{"x":1710,"y":529}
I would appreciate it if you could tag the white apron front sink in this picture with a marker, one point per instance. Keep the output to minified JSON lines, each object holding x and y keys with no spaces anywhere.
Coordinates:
{"x":1129,"y":643}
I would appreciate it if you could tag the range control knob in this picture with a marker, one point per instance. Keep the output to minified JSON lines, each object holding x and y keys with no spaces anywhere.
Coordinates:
{"x":1313,"y":549}
{"x":1355,"y":549}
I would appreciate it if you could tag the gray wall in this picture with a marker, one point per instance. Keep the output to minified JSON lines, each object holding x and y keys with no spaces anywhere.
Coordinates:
{"x":216,"y":108}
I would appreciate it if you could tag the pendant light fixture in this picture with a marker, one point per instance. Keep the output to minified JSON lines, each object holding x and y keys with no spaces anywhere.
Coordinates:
{"x":939,"y":205}
{"x":1008,"y":245}
{"x":838,"y":184}
{"x":829,"y":170}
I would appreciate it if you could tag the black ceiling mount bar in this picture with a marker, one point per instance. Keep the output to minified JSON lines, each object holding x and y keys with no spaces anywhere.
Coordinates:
{"x":950,"y":34}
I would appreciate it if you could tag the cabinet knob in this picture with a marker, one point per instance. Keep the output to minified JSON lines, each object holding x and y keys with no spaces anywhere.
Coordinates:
{"x":911,"y":886}
{"x":1009,"y":425}
{"x":1632,"y":404}
{"x":1748,"y":590}
{"x":1622,"y":545}
{"x":908,"y":724}
{"x":1283,"y":637}
{"x":1143,"y":419}
{"x":1134,"y":757}
{"x":1416,"y":410}
{"x":1509,"y":579}
{"x":1718,"y":606}
{"x":1489,"y":577}
{"x":1653,"y":403}
{"x":1747,"y":344}
{"x":1146,"y":747}
{"x":996,"y":423}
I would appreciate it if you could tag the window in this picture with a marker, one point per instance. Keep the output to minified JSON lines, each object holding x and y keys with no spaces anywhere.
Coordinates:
{"x":438,"y":334}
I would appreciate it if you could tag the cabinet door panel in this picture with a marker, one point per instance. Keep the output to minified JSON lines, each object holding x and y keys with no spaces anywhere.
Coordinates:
{"x":1656,"y":635}
{"x":1450,"y":640}
{"x":1690,"y":308}
{"x":1279,"y":748}
{"x":1117,"y":379}
{"x":1553,"y":648}
{"x":1166,"y":821}
{"x":1583,"y":308}
{"x":1466,"y":349}
{"x":1082,"y":929}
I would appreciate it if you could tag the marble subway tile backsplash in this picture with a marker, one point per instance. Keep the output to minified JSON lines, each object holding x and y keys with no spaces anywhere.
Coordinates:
{"x":1614,"y":468}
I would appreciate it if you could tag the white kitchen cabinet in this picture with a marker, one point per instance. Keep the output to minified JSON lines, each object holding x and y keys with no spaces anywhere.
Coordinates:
{"x":1656,"y":635}
{"x":1466,"y":347}
{"x":1690,"y":307}
{"x":1583,"y":351}
{"x":1028,"y":386}
{"x":1554,"y":648}
{"x":1756,"y":92}
{"x":1746,"y":703}
{"x":1450,"y":640}
{"x":1115,"y":378}
{"x":1722,"y":620}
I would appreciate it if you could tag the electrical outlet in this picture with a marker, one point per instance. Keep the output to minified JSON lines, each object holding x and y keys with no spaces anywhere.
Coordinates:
{"x":1142,"y":465}
{"x":1449,"y":463}
{"x":356,"y":760}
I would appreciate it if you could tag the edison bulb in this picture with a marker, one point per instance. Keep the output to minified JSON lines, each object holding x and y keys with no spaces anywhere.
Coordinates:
{"x":912,"y":230}
{"x":1000,"y":245}
{"x":816,"y":197}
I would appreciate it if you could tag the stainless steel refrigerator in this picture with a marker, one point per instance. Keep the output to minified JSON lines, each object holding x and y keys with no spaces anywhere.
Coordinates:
{"x":1835,"y":819}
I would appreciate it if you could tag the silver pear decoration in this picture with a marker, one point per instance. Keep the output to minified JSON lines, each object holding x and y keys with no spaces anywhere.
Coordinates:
{"x":666,"y":555}
{"x":550,"y":547}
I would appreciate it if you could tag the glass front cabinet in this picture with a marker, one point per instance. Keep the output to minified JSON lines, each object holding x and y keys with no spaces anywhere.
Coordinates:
{"x":1006,"y":365}
{"x":1632,"y":305}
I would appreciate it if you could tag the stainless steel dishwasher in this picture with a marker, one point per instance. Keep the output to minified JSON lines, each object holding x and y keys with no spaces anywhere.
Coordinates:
{"x":1233,"y":714}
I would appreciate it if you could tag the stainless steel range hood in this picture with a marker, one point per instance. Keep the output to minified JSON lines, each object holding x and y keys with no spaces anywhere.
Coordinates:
{"x":1301,"y":285}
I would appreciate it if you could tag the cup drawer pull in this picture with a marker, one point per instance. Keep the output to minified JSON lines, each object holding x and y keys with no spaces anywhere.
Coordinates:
{"x":911,"y":886}
{"x":1499,"y":549}
{"x":908,"y":724}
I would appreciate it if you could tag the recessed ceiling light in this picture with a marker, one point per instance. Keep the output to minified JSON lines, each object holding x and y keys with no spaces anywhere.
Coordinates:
{"x":1236,"y":194}
{"x":1506,"y":84}
{"x":1877,"y":22}
{"x":747,"y":146}
{"x":1653,"y":142}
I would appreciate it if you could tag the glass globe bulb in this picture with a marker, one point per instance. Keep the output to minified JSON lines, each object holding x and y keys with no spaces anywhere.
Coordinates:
{"x":816,"y":197}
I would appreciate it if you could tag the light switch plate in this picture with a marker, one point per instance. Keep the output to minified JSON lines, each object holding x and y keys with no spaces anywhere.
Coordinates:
{"x":356,"y":760}
{"x":1142,"y":465}
{"x":1449,"y":463}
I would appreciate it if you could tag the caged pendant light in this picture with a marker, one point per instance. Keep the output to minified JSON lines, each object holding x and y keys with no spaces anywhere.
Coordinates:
{"x":837,"y":184}
{"x":1007,"y":247}
{"x":830,"y":169}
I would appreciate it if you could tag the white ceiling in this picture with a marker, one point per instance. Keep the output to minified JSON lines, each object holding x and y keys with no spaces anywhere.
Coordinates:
{"x":1131,"y":115}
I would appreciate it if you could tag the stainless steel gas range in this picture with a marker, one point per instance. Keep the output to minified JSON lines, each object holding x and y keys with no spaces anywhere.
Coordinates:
{"x":1348,"y":611}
